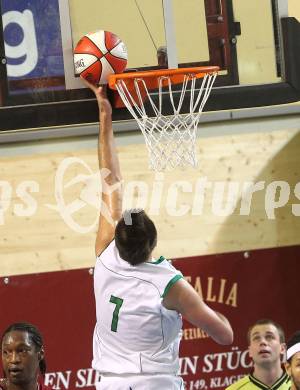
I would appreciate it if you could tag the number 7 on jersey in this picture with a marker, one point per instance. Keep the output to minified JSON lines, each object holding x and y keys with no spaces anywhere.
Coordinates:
{"x":118,"y":302}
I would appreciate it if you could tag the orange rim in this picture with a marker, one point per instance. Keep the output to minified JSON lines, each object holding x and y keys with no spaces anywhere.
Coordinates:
{"x":150,"y":77}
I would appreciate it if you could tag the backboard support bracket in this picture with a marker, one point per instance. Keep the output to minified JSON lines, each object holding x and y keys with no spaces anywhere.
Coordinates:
{"x":170,"y":34}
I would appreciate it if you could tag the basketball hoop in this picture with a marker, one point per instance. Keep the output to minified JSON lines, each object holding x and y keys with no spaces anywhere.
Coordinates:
{"x":170,"y":139}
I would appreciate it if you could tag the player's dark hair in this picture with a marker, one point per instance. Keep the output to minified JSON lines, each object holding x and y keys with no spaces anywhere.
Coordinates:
{"x":135,"y":236}
{"x":295,"y":339}
{"x":267,"y":321}
{"x":34,"y":335}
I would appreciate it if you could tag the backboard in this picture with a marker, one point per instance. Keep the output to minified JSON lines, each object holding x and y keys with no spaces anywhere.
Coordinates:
{"x":256,"y":45}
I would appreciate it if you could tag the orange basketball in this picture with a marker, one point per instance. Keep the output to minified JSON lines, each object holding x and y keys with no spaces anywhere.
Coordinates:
{"x":99,"y":54}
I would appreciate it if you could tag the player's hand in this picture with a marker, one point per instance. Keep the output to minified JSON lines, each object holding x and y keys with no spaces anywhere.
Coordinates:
{"x":101,"y":96}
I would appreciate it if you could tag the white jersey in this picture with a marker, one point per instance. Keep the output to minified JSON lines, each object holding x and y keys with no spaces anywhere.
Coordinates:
{"x":134,"y":333}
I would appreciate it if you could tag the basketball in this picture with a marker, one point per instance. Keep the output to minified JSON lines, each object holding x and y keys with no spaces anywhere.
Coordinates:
{"x":99,"y":54}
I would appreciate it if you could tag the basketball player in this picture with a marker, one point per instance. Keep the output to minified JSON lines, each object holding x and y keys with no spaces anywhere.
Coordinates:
{"x":266,"y":348}
{"x":139,"y":300}
{"x":293,"y":360}
{"x":23,"y":358}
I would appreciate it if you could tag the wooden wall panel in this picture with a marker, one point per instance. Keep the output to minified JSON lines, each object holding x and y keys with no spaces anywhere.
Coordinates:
{"x":44,"y":241}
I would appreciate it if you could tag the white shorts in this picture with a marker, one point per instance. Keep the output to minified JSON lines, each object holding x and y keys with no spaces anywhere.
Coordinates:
{"x":140,"y":382}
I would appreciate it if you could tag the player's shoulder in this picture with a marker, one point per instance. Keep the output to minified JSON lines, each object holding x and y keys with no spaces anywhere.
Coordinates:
{"x":162,"y":263}
{"x":160,"y":268}
{"x":243,"y":384}
{"x":160,"y":273}
{"x":107,"y":250}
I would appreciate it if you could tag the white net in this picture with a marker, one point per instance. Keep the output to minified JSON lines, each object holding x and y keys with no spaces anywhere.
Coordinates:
{"x":170,"y":139}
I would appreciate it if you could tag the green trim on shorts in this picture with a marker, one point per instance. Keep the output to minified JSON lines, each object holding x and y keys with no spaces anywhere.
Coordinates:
{"x":170,"y":284}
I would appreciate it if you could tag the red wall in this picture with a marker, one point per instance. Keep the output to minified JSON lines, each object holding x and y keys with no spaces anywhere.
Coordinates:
{"x":260,"y":284}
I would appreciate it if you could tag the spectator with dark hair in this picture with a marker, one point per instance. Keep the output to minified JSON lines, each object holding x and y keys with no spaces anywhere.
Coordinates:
{"x":162,"y":56}
{"x":23,"y":358}
{"x":266,"y":348}
{"x":293,"y":360}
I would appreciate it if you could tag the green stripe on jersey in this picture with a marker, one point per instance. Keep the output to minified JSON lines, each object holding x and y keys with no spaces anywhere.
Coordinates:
{"x":158,"y":261}
{"x":170,"y":284}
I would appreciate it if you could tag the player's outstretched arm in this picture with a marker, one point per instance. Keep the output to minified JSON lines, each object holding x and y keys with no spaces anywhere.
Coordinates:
{"x":184,"y":299}
{"x":111,"y":180}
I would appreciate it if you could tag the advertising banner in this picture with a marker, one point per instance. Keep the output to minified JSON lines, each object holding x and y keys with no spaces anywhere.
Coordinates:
{"x":243,"y":286}
{"x":33,"y":46}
